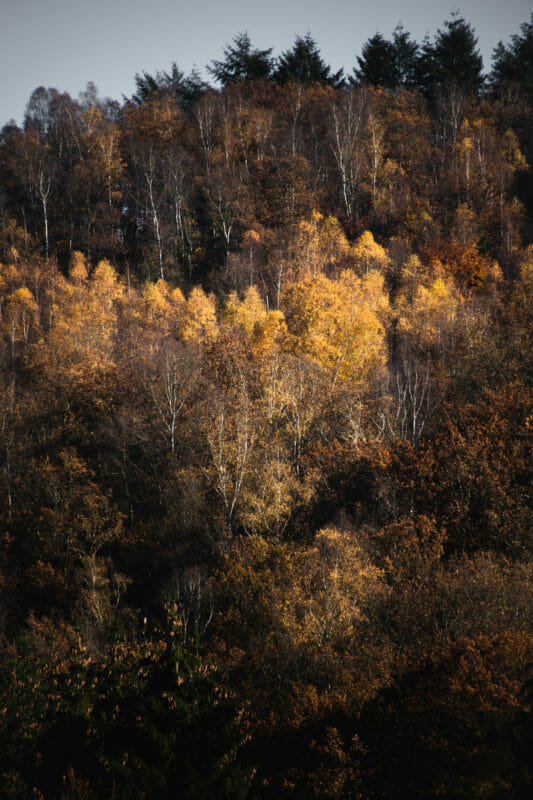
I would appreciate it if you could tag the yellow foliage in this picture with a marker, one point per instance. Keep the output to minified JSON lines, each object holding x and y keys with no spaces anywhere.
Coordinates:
{"x":264,"y":329}
{"x":21,"y":299}
{"x":78,"y":271}
{"x":526,"y":267}
{"x":273,"y":332}
{"x":367,"y":254}
{"x":313,"y":603}
{"x":84,"y":319}
{"x":161,"y":303}
{"x":176,"y":297}
{"x":337,"y":323}
{"x":432,"y":317}
{"x":199,"y":321}
{"x":273,"y":494}
{"x":104,"y":278}
{"x":156,"y":299}
{"x":331,"y":584}
{"x":251,"y":238}
{"x":20,"y":314}
{"x":9,"y":275}
{"x":249,"y":314}
{"x":320,"y":242}
{"x":514,"y":156}
{"x":105,"y":285}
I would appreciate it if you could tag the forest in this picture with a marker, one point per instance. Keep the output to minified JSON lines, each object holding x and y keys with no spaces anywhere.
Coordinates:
{"x":265,"y":430}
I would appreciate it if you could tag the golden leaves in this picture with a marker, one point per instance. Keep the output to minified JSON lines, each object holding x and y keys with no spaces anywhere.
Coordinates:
{"x":199,"y":322}
{"x":336,"y":322}
{"x":264,"y":329}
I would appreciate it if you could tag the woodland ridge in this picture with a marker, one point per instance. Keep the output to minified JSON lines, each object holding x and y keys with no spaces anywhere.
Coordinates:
{"x":265,"y":430}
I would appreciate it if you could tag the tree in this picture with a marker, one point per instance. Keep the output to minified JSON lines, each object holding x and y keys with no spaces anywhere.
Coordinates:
{"x":348,"y":117}
{"x":452,"y":60}
{"x":444,"y":728}
{"x":98,"y":176}
{"x":38,"y":114}
{"x":173,"y":382}
{"x":369,"y":255}
{"x":406,"y":52}
{"x":34,"y":162}
{"x":242,"y":62}
{"x":156,"y":135}
{"x":304,"y":64}
{"x":146,"y":720}
{"x":388,"y":63}
{"x":317,"y":245}
{"x":377,"y":65}
{"x":185,"y":90}
{"x":199,"y":319}
{"x":230,"y":438}
{"x":263,"y":328}
{"x":513,"y":64}
{"x":337,"y":323}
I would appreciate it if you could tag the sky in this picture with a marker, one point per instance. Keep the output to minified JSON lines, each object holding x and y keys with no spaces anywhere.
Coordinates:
{"x":67,"y":43}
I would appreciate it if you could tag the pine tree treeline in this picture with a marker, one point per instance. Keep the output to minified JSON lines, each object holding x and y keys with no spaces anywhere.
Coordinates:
{"x":265,"y":428}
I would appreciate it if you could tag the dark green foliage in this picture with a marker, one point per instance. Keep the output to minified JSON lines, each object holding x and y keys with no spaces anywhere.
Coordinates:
{"x":242,"y":62}
{"x":406,"y":53}
{"x":185,"y":90}
{"x":142,"y":721}
{"x":513,"y":63}
{"x":451,"y":60}
{"x":377,"y":65}
{"x":304,"y":64}
{"x":386,"y":63}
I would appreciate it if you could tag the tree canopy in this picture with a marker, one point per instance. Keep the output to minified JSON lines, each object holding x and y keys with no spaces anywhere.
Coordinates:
{"x":265,"y":435}
{"x":513,"y":63}
{"x":242,"y":62}
{"x":185,"y":90}
{"x":304,"y":64}
{"x":451,"y":59}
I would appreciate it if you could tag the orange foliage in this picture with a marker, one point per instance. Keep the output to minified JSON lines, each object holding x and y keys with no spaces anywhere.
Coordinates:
{"x":463,"y":262}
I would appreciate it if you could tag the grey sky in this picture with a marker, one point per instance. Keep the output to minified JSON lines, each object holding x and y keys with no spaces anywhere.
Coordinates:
{"x":66,"y":43}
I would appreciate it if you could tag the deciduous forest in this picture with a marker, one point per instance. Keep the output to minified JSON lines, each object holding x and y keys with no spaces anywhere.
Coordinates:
{"x":266,"y":427}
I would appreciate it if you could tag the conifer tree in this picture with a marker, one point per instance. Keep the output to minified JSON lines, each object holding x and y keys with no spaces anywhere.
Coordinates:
{"x":388,"y":63}
{"x":377,"y":63}
{"x":452,"y":59}
{"x":304,"y":64}
{"x":185,"y":90}
{"x":513,"y":63}
{"x":242,"y":62}
{"x":406,"y":53}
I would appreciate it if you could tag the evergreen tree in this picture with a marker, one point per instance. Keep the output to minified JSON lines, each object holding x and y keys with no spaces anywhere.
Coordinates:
{"x":377,"y":63}
{"x":304,"y":64}
{"x":388,"y":63}
{"x":242,"y":63}
{"x":146,"y":720}
{"x":513,"y":65}
{"x":406,"y":54}
{"x":451,"y":60}
{"x":185,"y":90}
